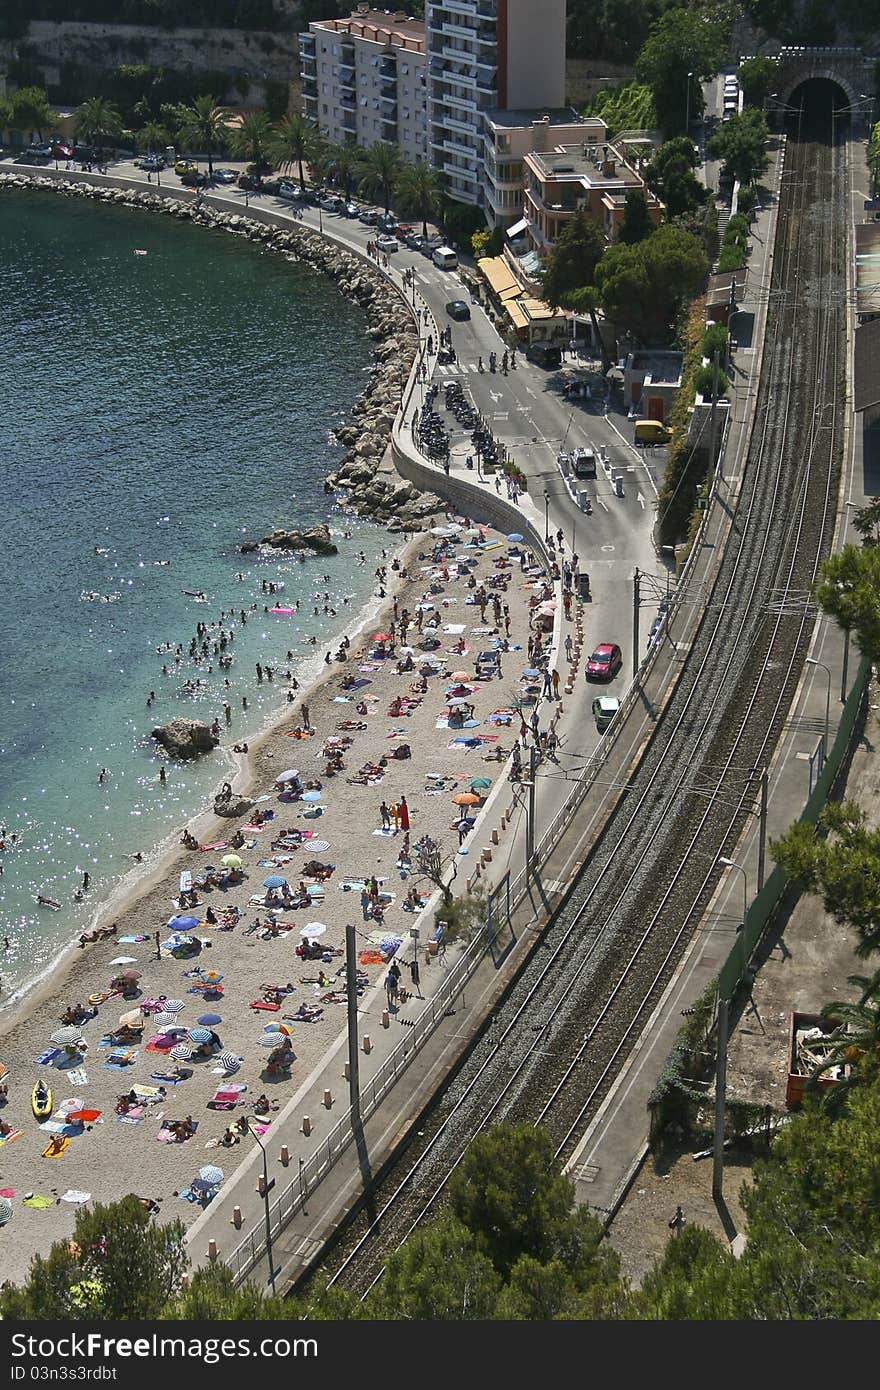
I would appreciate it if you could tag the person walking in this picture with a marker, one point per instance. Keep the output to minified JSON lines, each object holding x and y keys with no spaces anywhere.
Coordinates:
{"x":365,"y":903}
{"x":386,"y":816}
{"x":554,"y":676}
{"x":414,"y":976}
{"x":390,"y":989}
{"x":305,"y":716}
{"x":403,"y":812}
{"x":547,"y":684}
{"x":568,"y":646}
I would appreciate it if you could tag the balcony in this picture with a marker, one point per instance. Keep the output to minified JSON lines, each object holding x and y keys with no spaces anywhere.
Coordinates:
{"x":346,"y":52}
{"x":462,"y":7}
{"x":307,"y":42}
{"x":309,"y":58}
{"x":459,"y":31}
{"x":465,"y":104}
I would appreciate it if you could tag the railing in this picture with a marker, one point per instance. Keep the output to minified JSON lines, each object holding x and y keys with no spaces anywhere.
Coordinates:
{"x":245,"y":1255}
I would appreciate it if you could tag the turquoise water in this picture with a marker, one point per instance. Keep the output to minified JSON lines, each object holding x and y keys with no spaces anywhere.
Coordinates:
{"x":159,"y":408}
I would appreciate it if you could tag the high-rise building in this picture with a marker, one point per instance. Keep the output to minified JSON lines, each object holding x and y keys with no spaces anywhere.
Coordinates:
{"x":364,"y":80}
{"x":485,"y":56}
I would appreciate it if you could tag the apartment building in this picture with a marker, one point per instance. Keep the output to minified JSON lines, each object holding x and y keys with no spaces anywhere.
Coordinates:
{"x":364,"y":80}
{"x":488,"y":56}
{"x":567,"y":178}
{"x":508,"y":136}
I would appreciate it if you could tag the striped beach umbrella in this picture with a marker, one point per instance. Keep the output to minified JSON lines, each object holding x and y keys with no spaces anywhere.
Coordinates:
{"x":199,"y":1035}
{"x":211,"y":1173}
{"x":173,"y":1006}
{"x":230,"y":1063}
{"x":268,"y":1040}
{"x":274,"y":881}
{"x":164,"y":1017}
{"x":62,"y":1036}
{"x":181,"y":1052}
{"x":5,"y":1210}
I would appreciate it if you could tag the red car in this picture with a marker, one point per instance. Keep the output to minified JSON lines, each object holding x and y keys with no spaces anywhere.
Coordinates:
{"x":605,"y":662}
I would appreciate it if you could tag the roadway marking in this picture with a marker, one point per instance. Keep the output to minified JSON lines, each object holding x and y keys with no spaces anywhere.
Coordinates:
{"x":608,"y":547}
{"x":501,"y":415}
{"x":629,"y":446}
{"x":641,"y":501}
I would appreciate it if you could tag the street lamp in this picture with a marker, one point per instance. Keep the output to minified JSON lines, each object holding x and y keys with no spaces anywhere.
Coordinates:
{"x":267,"y":1188}
{"x":732,"y":864}
{"x":546,"y":515}
{"x":687,"y":118}
{"x":811,"y":661}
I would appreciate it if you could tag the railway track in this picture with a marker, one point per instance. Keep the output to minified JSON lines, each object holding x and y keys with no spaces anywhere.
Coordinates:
{"x":569,"y":1020}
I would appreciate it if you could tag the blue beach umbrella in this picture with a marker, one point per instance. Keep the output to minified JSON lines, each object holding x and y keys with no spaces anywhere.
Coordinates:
{"x":311,"y":796}
{"x":274,"y":881}
{"x":532,"y":671}
{"x":514,"y":536}
{"x":208,"y":1020}
{"x":185,"y":922}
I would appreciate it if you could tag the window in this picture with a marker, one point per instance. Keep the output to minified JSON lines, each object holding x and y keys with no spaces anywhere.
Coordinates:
{"x":336,"y":50}
{"x":324,"y":109}
{"x":405,"y":70}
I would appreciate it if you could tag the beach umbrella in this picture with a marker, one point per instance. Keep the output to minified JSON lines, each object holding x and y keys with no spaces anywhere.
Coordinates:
{"x":212,"y":1174}
{"x":514,"y":536}
{"x":455,"y":700}
{"x":313,"y":929}
{"x":311,"y":796}
{"x":207,"y":1020}
{"x":231,"y":861}
{"x":318,"y":846}
{"x":477,"y":784}
{"x":463,"y":799}
{"x":123,"y":960}
{"x":133,"y":1019}
{"x":230,"y":1063}
{"x":181,"y":1052}
{"x":199,"y":1035}
{"x":381,"y":637}
{"x":165,"y":1018}
{"x":68,"y":1034}
{"x":172,"y":1006}
{"x":441,"y":531}
{"x":5,"y":1210}
{"x":211,"y":977}
{"x":130,"y":975}
{"x":183,"y":922}
{"x":532,"y":671}
{"x":268,"y":1040}
{"x":274,"y":881}
{"x":459,"y":676}
{"x":291,"y":775}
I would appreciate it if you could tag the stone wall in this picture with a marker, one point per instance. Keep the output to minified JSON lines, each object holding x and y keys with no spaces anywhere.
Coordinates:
{"x":259,"y":56}
{"x":584,"y":77}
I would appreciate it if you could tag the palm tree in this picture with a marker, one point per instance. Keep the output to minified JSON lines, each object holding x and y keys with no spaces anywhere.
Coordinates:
{"x":856,"y":1038}
{"x":343,"y":162}
{"x":98,"y":120}
{"x":252,"y":138}
{"x":419,"y":191}
{"x":152,"y":137}
{"x":205,"y":128}
{"x":293,"y":142}
{"x":380,"y":168}
{"x":320,"y":160}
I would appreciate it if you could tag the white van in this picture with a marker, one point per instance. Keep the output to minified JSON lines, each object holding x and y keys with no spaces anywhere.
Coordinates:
{"x":445,"y":257}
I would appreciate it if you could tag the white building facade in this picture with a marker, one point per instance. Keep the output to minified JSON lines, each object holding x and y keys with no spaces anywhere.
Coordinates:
{"x":364,"y":80}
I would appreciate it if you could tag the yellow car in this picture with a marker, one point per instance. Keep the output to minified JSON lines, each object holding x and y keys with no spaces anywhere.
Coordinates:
{"x":185,"y":166}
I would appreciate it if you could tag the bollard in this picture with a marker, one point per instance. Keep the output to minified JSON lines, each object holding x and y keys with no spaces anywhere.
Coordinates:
{"x":307,"y":1126}
{"x":284,"y":1156}
{"x":486,"y":854}
{"x":261,"y":1185}
{"x":236,"y":1218}
{"x":211,"y":1251}
{"x":386,"y":1019}
{"x":368,"y":1046}
{"x":494,"y":837}
{"x":346,"y":1072}
{"x":328,"y":1100}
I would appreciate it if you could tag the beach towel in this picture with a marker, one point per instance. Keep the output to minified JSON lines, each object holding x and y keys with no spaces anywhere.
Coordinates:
{"x":46,"y":1058}
{"x":167,"y":1079}
{"x":135,"y":1116}
{"x":51,"y":1152}
{"x":75,"y":1195}
{"x":121,"y":1060}
{"x":61,"y":1127}
{"x":150,"y":1095}
{"x":40,"y":1203}
{"x":165,"y":1136}
{"x":253,"y":829}
{"x":67,"y":1060}
{"x":371,"y":957}
{"x":84,"y":1117}
{"x":138,"y":937}
{"x":11,"y":1137}
{"x":455,"y":629}
{"x":386,"y":834}
{"x":79,"y":1077}
{"x":221,"y":844}
{"x":261,"y":1004}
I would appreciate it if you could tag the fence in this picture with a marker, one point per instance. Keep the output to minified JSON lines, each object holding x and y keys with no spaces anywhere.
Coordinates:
{"x":763,"y":906}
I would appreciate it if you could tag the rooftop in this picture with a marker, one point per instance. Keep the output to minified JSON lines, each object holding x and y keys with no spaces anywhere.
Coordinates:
{"x":380,"y":26}
{"x":867,"y":267}
{"x":658,"y":367}
{"x":867,"y":365}
{"x":559,"y":115}
{"x":594,"y":165}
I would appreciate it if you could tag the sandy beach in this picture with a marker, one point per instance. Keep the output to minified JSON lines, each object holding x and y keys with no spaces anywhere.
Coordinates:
{"x":109,"y":1155}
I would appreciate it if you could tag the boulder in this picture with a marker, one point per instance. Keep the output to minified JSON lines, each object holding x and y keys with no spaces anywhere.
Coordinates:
{"x":231,"y":805}
{"x":185,"y":738}
{"x":316,"y":538}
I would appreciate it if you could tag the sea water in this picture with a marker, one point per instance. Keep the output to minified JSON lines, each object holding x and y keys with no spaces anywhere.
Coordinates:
{"x":158,"y":409}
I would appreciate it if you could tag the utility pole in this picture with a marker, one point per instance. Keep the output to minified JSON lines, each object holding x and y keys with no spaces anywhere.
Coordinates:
{"x":720,"y":1100}
{"x":762,"y":829}
{"x":351,"y":1000}
{"x":845,"y":670}
{"x":713,"y":412}
{"x":530,"y":812}
{"x":636,"y":601}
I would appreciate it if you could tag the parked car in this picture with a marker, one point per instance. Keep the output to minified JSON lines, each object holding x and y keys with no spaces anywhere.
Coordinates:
{"x":60,"y":149}
{"x":387,"y":243}
{"x":604,"y":709}
{"x":248,"y":181}
{"x":185,"y":166}
{"x":544,"y":355}
{"x":271,"y":185}
{"x":387,"y":223}
{"x":605,"y":662}
{"x":352,"y":210}
{"x":152,"y":163}
{"x":291,"y":191}
{"x":332,"y":204}
{"x":36,"y":154}
{"x":457,"y":309}
{"x":194,"y":179}
{"x":402,"y":231}
{"x":368,"y":218}
{"x":429,"y":246}
{"x":225,"y":176}
{"x":414,"y":241}
{"x":652,"y":432}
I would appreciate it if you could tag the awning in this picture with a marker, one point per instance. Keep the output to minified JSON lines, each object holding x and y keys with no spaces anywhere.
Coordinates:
{"x":515,"y":314}
{"x":518,"y":228}
{"x":513,"y":293}
{"x":537,"y":309}
{"x":497,"y":274}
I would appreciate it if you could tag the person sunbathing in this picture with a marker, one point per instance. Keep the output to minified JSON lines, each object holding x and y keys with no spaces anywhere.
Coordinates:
{"x":396,"y":707}
{"x":348,"y":681}
{"x":262,"y":1105}
{"x":182,"y":1129}
{"x":124,"y":1104}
